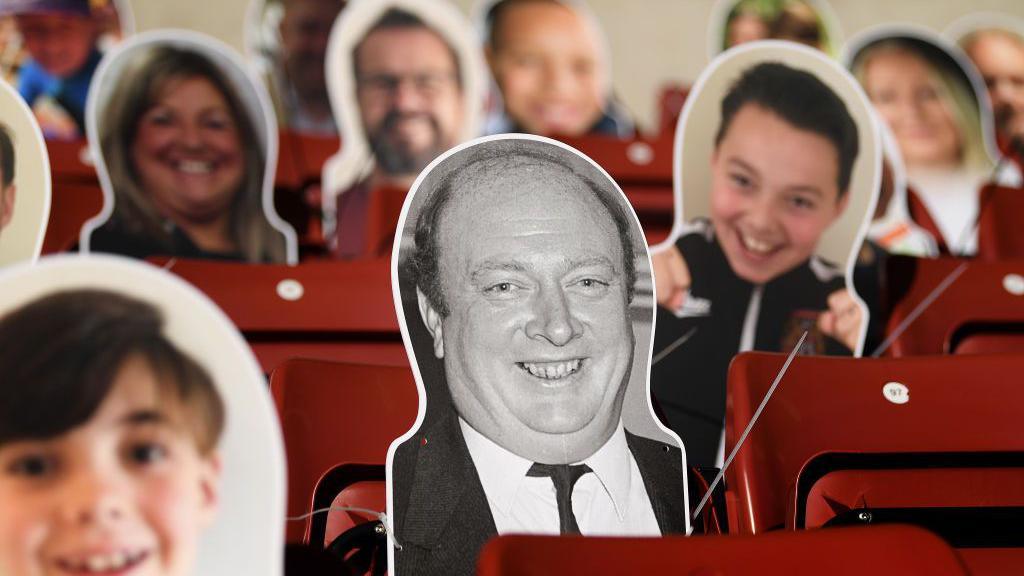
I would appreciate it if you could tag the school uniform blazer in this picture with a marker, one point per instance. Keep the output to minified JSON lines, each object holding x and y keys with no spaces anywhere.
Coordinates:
{"x":442,"y":518}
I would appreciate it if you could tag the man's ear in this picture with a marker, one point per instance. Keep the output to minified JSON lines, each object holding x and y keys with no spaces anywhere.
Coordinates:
{"x":432,"y":320}
{"x":6,"y":205}
{"x":211,"y":468}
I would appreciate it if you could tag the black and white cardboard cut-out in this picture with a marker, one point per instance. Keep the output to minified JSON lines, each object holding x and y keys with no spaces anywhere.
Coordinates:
{"x":723,"y":313}
{"x":949,"y":193}
{"x":829,"y":30}
{"x":265,"y":46}
{"x":247,"y":534}
{"x":354,"y":161}
{"x":894,"y":230}
{"x":617,"y":119}
{"x":279,"y":241}
{"x":21,"y":238}
{"x":428,"y":462}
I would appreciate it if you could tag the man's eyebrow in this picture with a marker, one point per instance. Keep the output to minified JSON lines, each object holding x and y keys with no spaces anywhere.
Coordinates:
{"x":593,"y":261}
{"x":145,"y":416}
{"x":742,"y":164}
{"x":808,"y":188}
{"x":497,"y":266}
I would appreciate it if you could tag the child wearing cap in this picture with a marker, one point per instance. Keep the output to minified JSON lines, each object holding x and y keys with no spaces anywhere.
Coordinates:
{"x":61,"y":39}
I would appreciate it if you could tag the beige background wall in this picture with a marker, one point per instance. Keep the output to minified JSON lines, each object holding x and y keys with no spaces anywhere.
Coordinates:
{"x":653,"y":41}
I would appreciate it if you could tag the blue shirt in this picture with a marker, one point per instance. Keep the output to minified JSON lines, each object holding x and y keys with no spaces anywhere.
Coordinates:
{"x":70,"y":92}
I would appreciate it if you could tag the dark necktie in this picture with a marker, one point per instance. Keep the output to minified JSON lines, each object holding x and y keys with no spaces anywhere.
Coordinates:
{"x":564,"y":477}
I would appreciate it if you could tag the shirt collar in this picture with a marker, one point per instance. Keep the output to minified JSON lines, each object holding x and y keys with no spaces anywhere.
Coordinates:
{"x":613,"y":467}
{"x":502,"y":473}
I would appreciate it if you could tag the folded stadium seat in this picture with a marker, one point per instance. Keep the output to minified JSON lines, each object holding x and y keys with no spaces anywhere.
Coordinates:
{"x":643,"y":169}
{"x":311,"y":152}
{"x":340,"y":311}
{"x":981,"y":310}
{"x":382,"y":214}
{"x":861,"y":440}
{"x":71,"y":160}
{"x":902,"y":550}
{"x":335,"y":414}
{"x":1000,"y":234}
{"x":670,"y":106}
{"x":73,"y":202}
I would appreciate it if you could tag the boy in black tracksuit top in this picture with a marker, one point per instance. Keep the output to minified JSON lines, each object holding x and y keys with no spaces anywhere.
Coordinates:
{"x":748,"y":278}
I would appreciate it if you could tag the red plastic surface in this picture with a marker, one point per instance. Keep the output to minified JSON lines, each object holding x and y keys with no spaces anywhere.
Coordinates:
{"x":345,"y":310}
{"x":978,"y":297}
{"x":829,"y":404}
{"x":334,"y":413}
{"x":1000,"y":234}
{"x":840,"y":552}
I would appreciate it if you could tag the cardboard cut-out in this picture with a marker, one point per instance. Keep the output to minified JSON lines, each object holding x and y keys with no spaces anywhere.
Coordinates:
{"x":185,"y":146}
{"x":892,"y":228}
{"x":561,"y":38}
{"x":54,"y":78}
{"x":810,"y":22}
{"x":24,"y":180}
{"x":511,"y":277}
{"x":995,"y":44}
{"x":947,"y":167}
{"x":411,"y":82}
{"x":243,"y":531}
{"x":763,"y":243}
{"x":286,"y":40}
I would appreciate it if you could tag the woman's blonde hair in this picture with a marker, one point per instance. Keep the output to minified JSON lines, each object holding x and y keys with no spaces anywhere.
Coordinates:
{"x":141,"y":81}
{"x":952,"y":85}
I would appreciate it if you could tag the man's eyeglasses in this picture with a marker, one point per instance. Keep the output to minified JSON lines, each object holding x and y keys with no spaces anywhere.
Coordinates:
{"x":428,"y":84}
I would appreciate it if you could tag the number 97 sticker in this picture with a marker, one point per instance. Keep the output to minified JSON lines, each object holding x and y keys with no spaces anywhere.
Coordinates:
{"x":896,"y":393}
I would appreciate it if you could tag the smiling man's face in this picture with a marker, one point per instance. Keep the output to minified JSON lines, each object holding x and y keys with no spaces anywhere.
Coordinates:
{"x":538,"y":343}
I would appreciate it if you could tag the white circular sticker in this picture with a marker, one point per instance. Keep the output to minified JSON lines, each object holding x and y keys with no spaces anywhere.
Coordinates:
{"x":1014,"y":284}
{"x":896,"y":393}
{"x":640,"y":153}
{"x":290,"y":290}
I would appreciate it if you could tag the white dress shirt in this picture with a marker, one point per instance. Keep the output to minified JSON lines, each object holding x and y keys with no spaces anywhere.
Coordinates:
{"x":612,"y":500}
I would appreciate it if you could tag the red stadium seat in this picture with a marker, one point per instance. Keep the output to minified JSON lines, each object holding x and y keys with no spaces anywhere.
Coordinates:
{"x":341,"y":311}
{"x":347,"y":490}
{"x":382,"y":214}
{"x":985,"y":300}
{"x":1000,"y":235}
{"x":643,"y":169}
{"x":335,"y":413}
{"x":312,"y":152}
{"x":843,"y":552}
{"x":70,"y":160}
{"x":871,"y":421}
{"x":670,"y":106}
{"x":73,"y":203}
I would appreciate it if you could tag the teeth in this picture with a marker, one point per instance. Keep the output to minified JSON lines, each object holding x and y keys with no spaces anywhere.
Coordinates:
{"x":755,"y":245}
{"x":98,"y":563}
{"x":552,"y":370}
{"x":195,"y":166}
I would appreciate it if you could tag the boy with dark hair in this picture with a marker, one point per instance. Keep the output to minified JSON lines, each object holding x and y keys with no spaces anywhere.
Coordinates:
{"x":748,"y":277}
{"x":108,"y":435}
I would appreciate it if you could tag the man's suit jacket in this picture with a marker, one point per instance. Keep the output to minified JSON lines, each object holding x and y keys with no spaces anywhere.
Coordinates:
{"x":442,"y":518}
